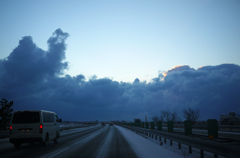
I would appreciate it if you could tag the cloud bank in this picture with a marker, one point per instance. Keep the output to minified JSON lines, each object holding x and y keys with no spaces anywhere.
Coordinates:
{"x":33,"y":79}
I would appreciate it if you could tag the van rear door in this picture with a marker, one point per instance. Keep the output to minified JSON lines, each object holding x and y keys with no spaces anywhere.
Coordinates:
{"x":25,"y":123}
{"x":48,"y":124}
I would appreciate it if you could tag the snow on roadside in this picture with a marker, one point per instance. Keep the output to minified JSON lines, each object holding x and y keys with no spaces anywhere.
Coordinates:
{"x":144,"y":147}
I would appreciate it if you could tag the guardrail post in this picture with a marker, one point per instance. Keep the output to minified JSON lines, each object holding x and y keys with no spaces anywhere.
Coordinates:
{"x":212,"y":128}
{"x":147,"y":125}
{"x":190,"y":149}
{"x":170,"y":142}
{"x":152,"y":125}
{"x":170,"y":126}
{"x":159,"y":125}
{"x":202,"y":153}
{"x":188,"y":127}
{"x":152,"y":135}
{"x":179,"y":145}
{"x":156,"y":137}
{"x":165,"y":140}
{"x":160,"y":139}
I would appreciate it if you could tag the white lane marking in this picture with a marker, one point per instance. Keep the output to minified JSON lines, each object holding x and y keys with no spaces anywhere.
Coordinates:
{"x":54,"y":153}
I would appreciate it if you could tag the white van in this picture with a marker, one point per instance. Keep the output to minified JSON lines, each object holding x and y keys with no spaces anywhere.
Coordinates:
{"x":31,"y":126}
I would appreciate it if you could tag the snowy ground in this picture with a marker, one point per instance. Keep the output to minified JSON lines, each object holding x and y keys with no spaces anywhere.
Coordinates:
{"x":149,"y":147}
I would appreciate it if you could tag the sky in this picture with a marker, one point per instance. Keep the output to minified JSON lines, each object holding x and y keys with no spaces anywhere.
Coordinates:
{"x":120,"y":59}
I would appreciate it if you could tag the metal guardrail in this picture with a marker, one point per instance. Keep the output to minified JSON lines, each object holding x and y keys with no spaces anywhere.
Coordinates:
{"x":220,"y":127}
{"x":204,"y":145}
{"x":221,"y":134}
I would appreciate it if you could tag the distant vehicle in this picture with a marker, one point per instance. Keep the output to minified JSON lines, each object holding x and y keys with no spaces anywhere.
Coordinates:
{"x":34,"y":126}
{"x":110,"y":124}
{"x":103,"y":124}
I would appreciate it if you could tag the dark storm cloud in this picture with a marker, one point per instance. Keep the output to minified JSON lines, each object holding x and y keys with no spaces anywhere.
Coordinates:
{"x":213,"y":89}
{"x":28,"y":64}
{"x":31,"y":77}
{"x":136,"y":80}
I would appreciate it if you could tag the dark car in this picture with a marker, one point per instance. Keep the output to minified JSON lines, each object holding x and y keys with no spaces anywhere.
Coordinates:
{"x":110,"y":124}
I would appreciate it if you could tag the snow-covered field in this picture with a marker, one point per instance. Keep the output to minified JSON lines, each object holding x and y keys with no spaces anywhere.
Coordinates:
{"x":149,"y":147}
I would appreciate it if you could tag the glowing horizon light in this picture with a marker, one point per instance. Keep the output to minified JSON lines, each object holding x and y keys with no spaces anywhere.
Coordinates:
{"x":201,"y":67}
{"x":166,"y":72}
{"x":177,"y":66}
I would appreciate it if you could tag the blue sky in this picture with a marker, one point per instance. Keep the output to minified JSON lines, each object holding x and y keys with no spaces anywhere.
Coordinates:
{"x":124,"y":40}
{"x":187,"y":51}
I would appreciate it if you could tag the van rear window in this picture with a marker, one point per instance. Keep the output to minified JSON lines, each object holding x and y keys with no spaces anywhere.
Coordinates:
{"x":26,"y":117}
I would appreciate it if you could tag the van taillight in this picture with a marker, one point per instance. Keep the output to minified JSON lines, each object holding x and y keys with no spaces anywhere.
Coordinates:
{"x":41,"y":129}
{"x":10,"y":130}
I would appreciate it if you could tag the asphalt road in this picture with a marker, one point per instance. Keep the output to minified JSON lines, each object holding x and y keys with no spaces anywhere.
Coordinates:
{"x":100,"y":141}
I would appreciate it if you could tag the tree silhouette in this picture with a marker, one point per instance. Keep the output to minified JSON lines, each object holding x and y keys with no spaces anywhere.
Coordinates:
{"x":169,"y":116}
{"x":5,"y":113}
{"x":192,"y":115}
{"x":155,"y":119}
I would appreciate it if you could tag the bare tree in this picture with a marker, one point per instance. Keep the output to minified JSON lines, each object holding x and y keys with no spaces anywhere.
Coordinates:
{"x":161,"y":118}
{"x":168,"y":116}
{"x":192,"y":115}
{"x":155,"y":119}
{"x":174,"y":117}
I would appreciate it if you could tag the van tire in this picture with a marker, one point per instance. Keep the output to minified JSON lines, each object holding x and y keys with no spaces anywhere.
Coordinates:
{"x":17,"y":145}
{"x":46,"y":141}
{"x":56,"y":139}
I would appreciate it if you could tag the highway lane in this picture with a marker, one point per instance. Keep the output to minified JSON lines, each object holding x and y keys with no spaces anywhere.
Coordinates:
{"x":116,"y":146}
{"x":36,"y":150}
{"x":109,"y":142}
{"x":101,"y":141}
